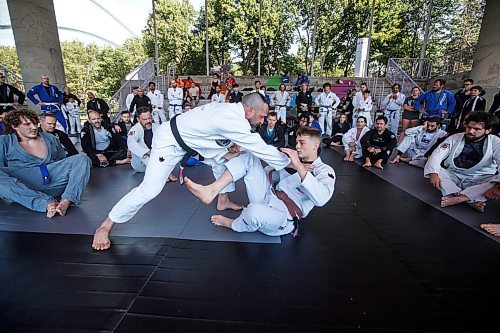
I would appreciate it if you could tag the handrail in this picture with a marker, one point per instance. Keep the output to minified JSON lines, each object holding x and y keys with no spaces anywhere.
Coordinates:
{"x":454,"y":62}
{"x":395,"y":74}
{"x":415,"y":67}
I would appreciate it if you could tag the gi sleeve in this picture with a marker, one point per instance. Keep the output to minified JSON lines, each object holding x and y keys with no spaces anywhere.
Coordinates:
{"x":3,"y":151}
{"x":418,"y":101}
{"x":59,"y":94}
{"x":31,"y":95}
{"x":450,"y":102}
{"x":433,"y":164}
{"x":385,"y":102}
{"x":135,"y":145}
{"x":336,"y":101}
{"x":401,"y":99}
{"x":319,"y":188}
{"x":365,"y":140}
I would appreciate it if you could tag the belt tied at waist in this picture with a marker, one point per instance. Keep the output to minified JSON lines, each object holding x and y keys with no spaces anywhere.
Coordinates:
{"x":189,"y":152}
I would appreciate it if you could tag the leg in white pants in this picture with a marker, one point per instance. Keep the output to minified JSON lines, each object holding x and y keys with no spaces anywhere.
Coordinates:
{"x":472,"y":188}
{"x":266,"y":218}
{"x":139,"y":164}
{"x":321,"y":119}
{"x":159,"y":116}
{"x":160,"y":165}
{"x":329,"y":122}
{"x":281,"y":110}
{"x":174,"y":110}
{"x":392,"y":121}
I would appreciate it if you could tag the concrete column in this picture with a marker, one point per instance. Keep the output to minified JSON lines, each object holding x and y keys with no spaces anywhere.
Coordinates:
{"x":37,"y":41}
{"x":486,"y":66}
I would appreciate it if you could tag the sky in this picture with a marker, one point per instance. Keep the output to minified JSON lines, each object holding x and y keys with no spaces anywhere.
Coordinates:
{"x":87,"y":16}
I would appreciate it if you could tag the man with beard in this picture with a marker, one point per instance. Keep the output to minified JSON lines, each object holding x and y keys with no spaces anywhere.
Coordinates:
{"x":437,"y":102}
{"x":99,"y":106}
{"x":49,"y":99}
{"x":393,"y":103}
{"x":417,"y":141}
{"x":215,"y":131}
{"x":378,"y":144}
{"x":9,"y":95}
{"x":465,"y":166}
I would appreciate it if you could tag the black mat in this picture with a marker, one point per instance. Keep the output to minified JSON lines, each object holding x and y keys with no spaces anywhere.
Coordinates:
{"x":175,"y":213}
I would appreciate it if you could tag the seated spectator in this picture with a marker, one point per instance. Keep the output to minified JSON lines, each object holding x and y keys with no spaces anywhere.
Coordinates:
{"x":313,"y":122}
{"x":410,"y":114}
{"x":101,"y":107}
{"x":264,"y":93}
{"x":177,"y":80}
{"x":273,"y":131}
{"x":216,"y":69}
{"x":101,"y":144}
{"x":285,"y":78}
{"x":292,"y":133}
{"x":218,"y":97}
{"x":301,"y":79}
{"x":378,"y":144}
{"x":123,"y":126}
{"x":140,"y":139}
{"x":48,"y":123}
{"x":72,"y":111}
{"x":352,"y":140}
{"x":474,"y":103}
{"x":339,"y":129}
{"x":230,"y":81}
{"x":417,"y":141}
{"x":34,"y":170}
{"x":236,"y":95}
{"x":194,"y":92}
{"x":67,"y":94}
{"x":466,"y":165}
{"x":215,"y":82}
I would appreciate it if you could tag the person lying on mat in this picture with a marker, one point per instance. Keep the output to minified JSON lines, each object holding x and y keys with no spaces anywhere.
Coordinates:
{"x":466,"y":165}
{"x":209,"y":130}
{"x":278,"y":200}
{"x":492,"y":194}
{"x":34,"y":169}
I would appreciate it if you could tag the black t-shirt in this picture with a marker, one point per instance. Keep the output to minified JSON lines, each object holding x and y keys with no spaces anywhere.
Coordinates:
{"x":47,"y":89}
{"x":471,"y":155}
{"x":148,"y":137}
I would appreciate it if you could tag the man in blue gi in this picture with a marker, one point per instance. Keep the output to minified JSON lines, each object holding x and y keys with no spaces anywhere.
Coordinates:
{"x":437,"y":102}
{"x":47,"y":95}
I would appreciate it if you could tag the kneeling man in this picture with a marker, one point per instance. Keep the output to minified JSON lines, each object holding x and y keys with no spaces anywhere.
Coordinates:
{"x":417,"y":141}
{"x":34,"y":170}
{"x":469,"y":162}
{"x":275,"y":209}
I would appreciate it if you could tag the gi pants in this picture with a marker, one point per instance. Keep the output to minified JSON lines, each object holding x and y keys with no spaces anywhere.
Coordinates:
{"x":408,"y":148}
{"x":325,"y":113}
{"x":393,"y":117}
{"x":383,"y":155}
{"x":139,"y":164}
{"x":68,"y":178}
{"x":75,"y":123}
{"x":265,"y":213}
{"x":174,"y":110}
{"x":471,"y":187}
{"x":281,"y":111}
{"x":159,"y":116}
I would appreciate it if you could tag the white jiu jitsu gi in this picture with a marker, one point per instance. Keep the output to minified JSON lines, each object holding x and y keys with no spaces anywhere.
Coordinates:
{"x":175,"y":98}
{"x":392,"y":111}
{"x":363,"y":107}
{"x":268,"y":214}
{"x":219,"y":98}
{"x":209,"y":130}
{"x":350,"y":136}
{"x":156,"y":98}
{"x":281,"y":100}
{"x":417,"y":142}
{"x":472,"y":182}
{"x":328,"y":102}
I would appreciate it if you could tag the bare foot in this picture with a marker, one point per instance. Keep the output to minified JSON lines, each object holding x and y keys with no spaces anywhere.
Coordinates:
{"x":336,"y":144}
{"x":124,"y":161}
{"x":351,"y":158}
{"x":478,"y":205}
{"x":491,"y":228}
{"x":101,"y":236}
{"x":367,"y":164}
{"x":223,"y":203}
{"x":204,"y":193}
{"x":222,"y":221}
{"x":405,"y":159}
{"x":51,"y":209}
{"x":395,"y":160}
{"x":378,"y":165}
{"x":63,"y":206}
{"x":172,"y":178}
{"x":450,"y":201}
{"x":346,"y":158}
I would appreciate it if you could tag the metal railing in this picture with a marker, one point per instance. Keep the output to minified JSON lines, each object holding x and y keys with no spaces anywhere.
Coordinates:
{"x":420,"y":68}
{"x":12,"y":78}
{"x":139,"y":77}
{"x":396,"y":74}
{"x":454,"y":62}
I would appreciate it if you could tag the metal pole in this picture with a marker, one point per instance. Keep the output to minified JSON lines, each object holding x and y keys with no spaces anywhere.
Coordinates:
{"x":206,"y":38}
{"x":314,"y":37}
{"x":156,"y":41}
{"x":260,"y":37}
{"x":369,"y":39}
{"x":426,"y":37}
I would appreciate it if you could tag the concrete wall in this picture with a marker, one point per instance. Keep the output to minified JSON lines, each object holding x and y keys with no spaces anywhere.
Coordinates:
{"x":37,"y":41}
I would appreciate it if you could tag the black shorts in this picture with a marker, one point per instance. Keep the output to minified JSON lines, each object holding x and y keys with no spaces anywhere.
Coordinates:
{"x":411,"y":115}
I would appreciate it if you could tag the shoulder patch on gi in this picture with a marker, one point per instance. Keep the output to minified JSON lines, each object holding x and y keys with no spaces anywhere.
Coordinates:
{"x":331,"y":176}
{"x":161,"y":159}
{"x":223,"y":142}
{"x":393,"y":136}
{"x":131,"y":133}
{"x":444,"y":146}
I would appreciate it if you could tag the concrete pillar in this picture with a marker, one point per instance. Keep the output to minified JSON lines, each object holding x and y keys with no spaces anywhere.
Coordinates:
{"x":486,"y":65}
{"x":37,"y":41}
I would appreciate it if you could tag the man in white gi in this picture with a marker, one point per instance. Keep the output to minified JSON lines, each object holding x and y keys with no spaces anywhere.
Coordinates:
{"x":470,"y":163}
{"x":208,"y":130}
{"x":218,"y":97}
{"x":417,"y":141}
{"x":129,"y":99}
{"x":359,"y":94}
{"x":352,"y":140}
{"x":258,"y":89}
{"x":328,"y":102}
{"x":175,"y":97}
{"x":275,"y":209}
{"x":281,"y":101}
{"x":363,"y":107}
{"x":392,"y":104}
{"x":156,"y":98}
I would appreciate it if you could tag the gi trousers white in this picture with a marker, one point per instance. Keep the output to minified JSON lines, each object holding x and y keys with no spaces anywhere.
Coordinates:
{"x":325,"y":113}
{"x":472,"y":187}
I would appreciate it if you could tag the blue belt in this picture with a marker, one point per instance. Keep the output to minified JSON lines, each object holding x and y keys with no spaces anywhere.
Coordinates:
{"x":45,"y":174}
{"x":392,"y":110}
